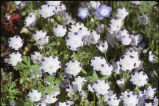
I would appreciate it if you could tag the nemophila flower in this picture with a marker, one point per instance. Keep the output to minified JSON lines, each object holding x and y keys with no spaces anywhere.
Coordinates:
{"x":47,"y":11}
{"x":115,"y":26}
{"x":156,"y":101}
{"x":41,"y":38}
{"x":141,"y":96}
{"x":36,"y":57}
{"x":149,"y":104}
{"x":100,"y":28}
{"x":93,"y":4}
{"x":54,"y":3}
{"x":42,"y":104}
{"x":150,"y":92}
{"x":93,"y":37}
{"x":121,"y":13}
{"x":50,"y":64}
{"x":75,"y":38}
{"x":130,"y":60}
{"x":77,"y":84}
{"x":20,"y":4}
{"x":152,"y":57}
{"x":97,"y":63}
{"x":15,"y":42}
{"x":101,"y":87}
{"x":116,"y":67}
{"x":83,"y":94}
{"x":50,"y":99}
{"x":143,"y":19}
{"x":103,"y":11}
{"x":136,"y":38}
{"x":90,"y":88}
{"x":139,"y":78}
{"x":73,"y":67}
{"x":112,"y":100}
{"x":135,"y":3}
{"x":124,"y":37}
{"x":34,"y":95}
{"x":102,"y":46}
{"x":59,"y":30}
{"x":121,"y":83}
{"x":30,"y":20}
{"x":68,"y":19}
{"x":74,"y":41}
{"x":69,"y":88}
{"x":83,"y":13}
{"x":62,"y":104}
{"x":39,"y":34}
{"x":129,"y":98}
{"x":14,"y":58}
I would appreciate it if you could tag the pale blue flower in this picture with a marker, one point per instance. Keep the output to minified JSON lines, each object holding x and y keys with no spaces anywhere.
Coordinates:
{"x":103,"y":11}
{"x":83,"y":13}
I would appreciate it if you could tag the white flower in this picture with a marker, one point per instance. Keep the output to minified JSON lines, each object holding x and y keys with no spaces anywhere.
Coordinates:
{"x":36,"y":57}
{"x":143,"y":19}
{"x":74,"y":41}
{"x":112,"y":100}
{"x":15,"y":42}
{"x":102,"y":46}
{"x":60,"y":30}
{"x":116,"y":67}
{"x":14,"y":58}
{"x":54,"y":3}
{"x":115,"y":26}
{"x":100,"y":28}
{"x":47,"y":11}
{"x":43,"y":41}
{"x":93,"y":37}
{"x":130,"y":60}
{"x":155,"y":101}
{"x":128,"y":98}
{"x":121,"y":83}
{"x":124,"y":37}
{"x":148,"y":104}
{"x":152,"y":57}
{"x":73,"y":67}
{"x":121,"y":13}
{"x":62,"y":104}
{"x":139,"y":78}
{"x":93,"y":5}
{"x":136,"y":38}
{"x":50,"y":64}
{"x":100,"y":64}
{"x":90,"y":88}
{"x":69,"y":88}
{"x":39,"y":34}
{"x":101,"y":87}
{"x":150,"y":92}
{"x":20,"y":4}
{"x":68,"y":18}
{"x":30,"y":20}
{"x":77,"y":84}
{"x":83,"y":94}
{"x":34,"y":95}
{"x":52,"y":98}
{"x":41,"y":104}
{"x":96,"y":63}
{"x":135,"y":2}
{"x":41,"y":38}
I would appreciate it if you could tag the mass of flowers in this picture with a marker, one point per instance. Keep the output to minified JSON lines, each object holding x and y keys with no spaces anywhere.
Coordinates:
{"x":80,"y":53}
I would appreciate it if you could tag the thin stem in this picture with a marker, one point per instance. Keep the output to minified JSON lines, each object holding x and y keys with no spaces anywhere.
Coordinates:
{"x":94,"y":99}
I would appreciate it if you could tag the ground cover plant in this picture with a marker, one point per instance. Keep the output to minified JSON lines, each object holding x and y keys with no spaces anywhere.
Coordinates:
{"x":79,"y":53}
